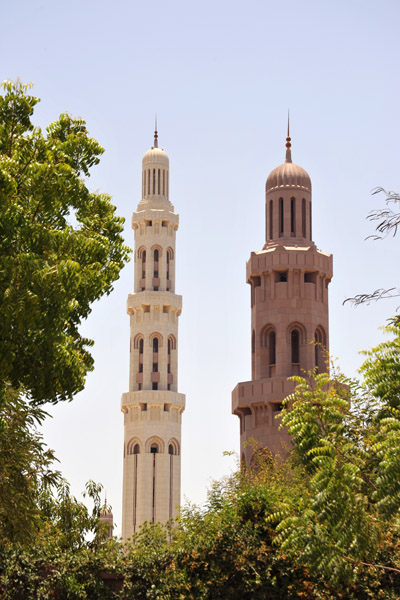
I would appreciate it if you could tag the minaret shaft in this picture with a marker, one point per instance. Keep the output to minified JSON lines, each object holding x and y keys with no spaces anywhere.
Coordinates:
{"x":153,"y":407}
{"x":289,"y":281}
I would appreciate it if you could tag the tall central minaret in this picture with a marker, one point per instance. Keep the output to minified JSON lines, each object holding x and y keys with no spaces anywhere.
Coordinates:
{"x":153,"y":407}
{"x":289,"y":281}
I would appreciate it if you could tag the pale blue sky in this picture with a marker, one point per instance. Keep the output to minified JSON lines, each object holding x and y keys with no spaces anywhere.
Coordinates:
{"x":221,"y":76}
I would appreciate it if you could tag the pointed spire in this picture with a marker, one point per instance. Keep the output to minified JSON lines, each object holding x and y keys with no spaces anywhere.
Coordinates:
{"x":288,"y":142}
{"x":155,"y":134}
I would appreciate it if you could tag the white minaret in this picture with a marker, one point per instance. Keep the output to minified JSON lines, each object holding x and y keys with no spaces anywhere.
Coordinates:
{"x":153,"y":407}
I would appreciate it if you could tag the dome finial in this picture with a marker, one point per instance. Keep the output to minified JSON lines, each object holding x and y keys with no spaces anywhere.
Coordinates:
{"x":288,"y":142}
{"x":155,"y":134}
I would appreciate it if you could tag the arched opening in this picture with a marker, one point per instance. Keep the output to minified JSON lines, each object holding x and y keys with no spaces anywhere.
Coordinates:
{"x":144,"y":264}
{"x":319,"y":344}
{"x":280,"y":217}
{"x":154,"y":449}
{"x":271,"y":215}
{"x":136,"y":449}
{"x":155,"y":344}
{"x":293,"y":216}
{"x":141,"y":348}
{"x":272,"y":348}
{"x":295,"y":344}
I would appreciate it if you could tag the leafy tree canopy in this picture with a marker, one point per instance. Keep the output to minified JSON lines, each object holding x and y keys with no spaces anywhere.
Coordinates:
{"x":61,"y":249}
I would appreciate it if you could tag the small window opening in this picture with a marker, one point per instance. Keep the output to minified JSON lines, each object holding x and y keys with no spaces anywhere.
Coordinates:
{"x":303,"y":216}
{"x":136,"y":449}
{"x":272,"y":347}
{"x":154,"y":181}
{"x":155,"y":344}
{"x":155,"y":367}
{"x":169,"y":387}
{"x":140,"y":367}
{"x":280,"y":217}
{"x":295,"y":339}
{"x":171,"y":449}
{"x":141,"y":345}
{"x":271,"y":214}
{"x":281,"y":276}
{"x":310,"y":277}
{"x":154,"y":449}
{"x":155,"y":385}
{"x":292,"y":216}
{"x":159,"y":181}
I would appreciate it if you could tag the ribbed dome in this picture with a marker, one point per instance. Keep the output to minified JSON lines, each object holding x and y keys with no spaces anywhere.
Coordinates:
{"x":288,"y":175}
{"x":155,"y":155}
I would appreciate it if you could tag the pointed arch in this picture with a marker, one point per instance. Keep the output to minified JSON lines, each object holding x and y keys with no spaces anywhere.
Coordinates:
{"x":155,"y":443}
{"x":157,"y":247}
{"x":134,"y":446}
{"x":296,"y":338}
{"x":172,"y":342}
{"x":173,"y":447}
{"x":140,"y":251}
{"x":153,"y":336}
{"x":136,"y":341}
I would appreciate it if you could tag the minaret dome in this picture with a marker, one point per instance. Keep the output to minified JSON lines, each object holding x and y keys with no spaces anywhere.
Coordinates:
{"x":288,"y":175}
{"x":155,"y":173}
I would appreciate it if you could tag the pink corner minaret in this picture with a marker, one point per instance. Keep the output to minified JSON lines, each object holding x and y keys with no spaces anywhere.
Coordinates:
{"x":289,"y":281}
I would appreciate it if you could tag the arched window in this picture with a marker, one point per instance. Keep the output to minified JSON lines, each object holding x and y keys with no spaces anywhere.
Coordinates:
{"x":272,"y":348}
{"x":155,"y":344}
{"x":271,"y":215}
{"x":144,"y":264}
{"x":136,"y":449}
{"x":154,"y":449}
{"x":293,"y":216}
{"x":295,"y":342}
{"x":173,"y":447}
{"x":319,"y":340}
{"x":280,"y":217}
{"x":156,"y":256}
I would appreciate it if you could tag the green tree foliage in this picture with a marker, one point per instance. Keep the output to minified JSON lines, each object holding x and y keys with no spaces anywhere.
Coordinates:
{"x":60,"y":249}
{"x":322,"y":525}
{"x":348,"y":440}
{"x":26,"y":468}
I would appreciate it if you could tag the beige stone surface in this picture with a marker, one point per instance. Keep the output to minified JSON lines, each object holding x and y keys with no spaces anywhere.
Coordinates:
{"x":153,"y":407}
